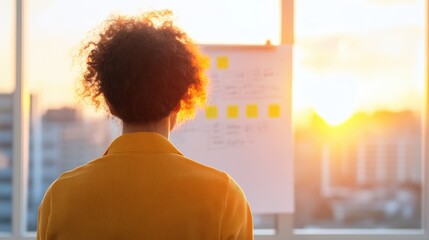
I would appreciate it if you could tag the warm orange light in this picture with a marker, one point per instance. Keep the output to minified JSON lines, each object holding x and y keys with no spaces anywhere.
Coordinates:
{"x":335,"y":100}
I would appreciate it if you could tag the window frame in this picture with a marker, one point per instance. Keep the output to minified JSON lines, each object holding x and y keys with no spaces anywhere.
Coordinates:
{"x":284,"y":222}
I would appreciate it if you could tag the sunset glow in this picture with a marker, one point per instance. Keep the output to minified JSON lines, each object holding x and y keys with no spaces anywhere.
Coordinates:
{"x":335,"y":100}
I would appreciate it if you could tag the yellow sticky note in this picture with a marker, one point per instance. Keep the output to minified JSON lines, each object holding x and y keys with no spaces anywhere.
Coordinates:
{"x":274,"y":111}
{"x":222,"y":62}
{"x":232,"y":111}
{"x":211,"y":112}
{"x":252,"y":111}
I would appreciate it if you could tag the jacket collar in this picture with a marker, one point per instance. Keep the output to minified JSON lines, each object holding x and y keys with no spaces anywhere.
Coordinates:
{"x":141,"y":142}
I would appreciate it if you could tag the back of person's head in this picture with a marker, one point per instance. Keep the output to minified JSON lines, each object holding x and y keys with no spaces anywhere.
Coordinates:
{"x":143,"y":68}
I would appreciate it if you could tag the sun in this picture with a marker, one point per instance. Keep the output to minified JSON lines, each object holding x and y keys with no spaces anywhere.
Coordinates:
{"x":335,"y":100}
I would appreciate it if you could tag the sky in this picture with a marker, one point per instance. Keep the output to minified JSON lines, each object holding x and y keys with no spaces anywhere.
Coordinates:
{"x":359,"y":55}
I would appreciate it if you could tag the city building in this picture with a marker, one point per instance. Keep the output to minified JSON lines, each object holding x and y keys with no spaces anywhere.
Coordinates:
{"x":383,"y":150}
{"x":6,"y":140}
{"x":364,"y":173}
{"x":62,"y":139}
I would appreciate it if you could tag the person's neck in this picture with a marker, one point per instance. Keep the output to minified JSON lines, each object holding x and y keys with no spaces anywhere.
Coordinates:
{"x":162,"y":127}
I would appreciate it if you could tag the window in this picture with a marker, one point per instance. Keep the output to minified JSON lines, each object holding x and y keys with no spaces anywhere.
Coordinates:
{"x":59,"y":127}
{"x":359,"y":96}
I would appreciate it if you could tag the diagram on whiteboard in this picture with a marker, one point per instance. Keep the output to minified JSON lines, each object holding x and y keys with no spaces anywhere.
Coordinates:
{"x":245,"y":130}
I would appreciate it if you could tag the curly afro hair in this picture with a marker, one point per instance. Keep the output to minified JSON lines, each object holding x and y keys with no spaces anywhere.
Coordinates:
{"x":143,"y":68}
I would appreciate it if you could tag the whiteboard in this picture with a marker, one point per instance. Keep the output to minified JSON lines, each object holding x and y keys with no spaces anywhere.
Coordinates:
{"x":245,"y":129}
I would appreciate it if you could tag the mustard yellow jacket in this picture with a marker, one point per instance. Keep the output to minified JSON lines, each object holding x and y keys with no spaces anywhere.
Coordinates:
{"x":144,"y":188}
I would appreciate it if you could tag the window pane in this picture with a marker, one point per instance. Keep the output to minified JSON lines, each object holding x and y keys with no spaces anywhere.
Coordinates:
{"x":7,"y":84}
{"x":64,"y":134}
{"x":358,"y":95}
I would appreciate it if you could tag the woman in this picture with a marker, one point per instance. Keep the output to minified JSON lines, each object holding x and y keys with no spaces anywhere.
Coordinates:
{"x":146,"y":72}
